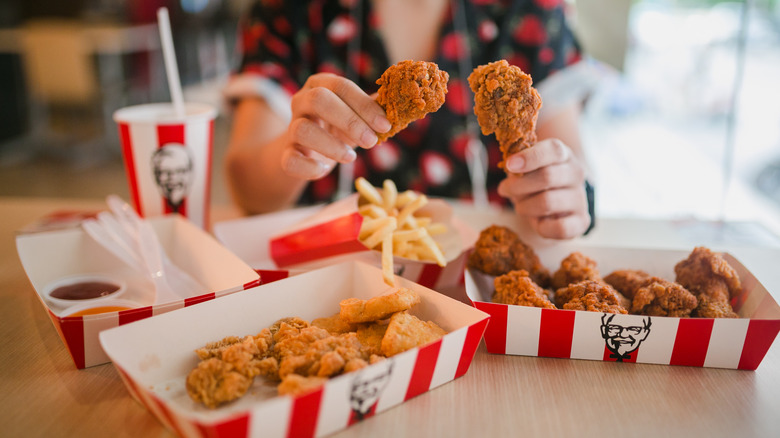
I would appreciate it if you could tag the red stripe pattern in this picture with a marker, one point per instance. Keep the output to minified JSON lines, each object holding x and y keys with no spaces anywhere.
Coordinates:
{"x":423,"y":370}
{"x":690,"y":344}
{"x":336,"y":237}
{"x":760,"y":335}
{"x":495,"y":333}
{"x":127,"y":152}
{"x":556,"y":332}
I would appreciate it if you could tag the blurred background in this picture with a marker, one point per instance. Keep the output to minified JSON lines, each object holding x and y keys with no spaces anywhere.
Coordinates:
{"x":683,"y":124}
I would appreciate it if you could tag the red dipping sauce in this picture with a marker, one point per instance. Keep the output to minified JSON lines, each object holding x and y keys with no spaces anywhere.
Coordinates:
{"x":84,"y":290}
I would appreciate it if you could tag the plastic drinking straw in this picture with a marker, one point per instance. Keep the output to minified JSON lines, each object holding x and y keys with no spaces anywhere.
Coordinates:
{"x":169,"y":56}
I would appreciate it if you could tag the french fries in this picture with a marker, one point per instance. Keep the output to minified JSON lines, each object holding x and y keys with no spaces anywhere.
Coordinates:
{"x":390,"y":226}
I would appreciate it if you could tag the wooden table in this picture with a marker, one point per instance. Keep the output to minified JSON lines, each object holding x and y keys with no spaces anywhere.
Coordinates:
{"x":43,"y":394}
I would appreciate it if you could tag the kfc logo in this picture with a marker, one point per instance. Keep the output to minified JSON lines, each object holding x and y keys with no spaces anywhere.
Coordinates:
{"x":622,"y":335}
{"x":366,"y":389}
{"x":173,"y":173}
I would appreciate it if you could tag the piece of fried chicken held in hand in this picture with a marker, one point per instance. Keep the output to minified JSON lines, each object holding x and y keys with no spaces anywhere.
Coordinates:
{"x":408,"y":91}
{"x":506,"y":104}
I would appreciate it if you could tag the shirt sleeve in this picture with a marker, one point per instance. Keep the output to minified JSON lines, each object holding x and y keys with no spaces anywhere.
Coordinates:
{"x":269,"y":58}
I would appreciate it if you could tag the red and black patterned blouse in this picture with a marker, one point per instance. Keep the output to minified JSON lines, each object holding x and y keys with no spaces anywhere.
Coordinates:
{"x":287,"y":41}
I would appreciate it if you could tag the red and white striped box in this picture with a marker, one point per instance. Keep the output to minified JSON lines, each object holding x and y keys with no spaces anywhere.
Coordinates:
{"x":168,"y":158}
{"x":326,"y":235}
{"x":168,"y":342}
{"x":704,"y":342}
{"x":48,"y":256}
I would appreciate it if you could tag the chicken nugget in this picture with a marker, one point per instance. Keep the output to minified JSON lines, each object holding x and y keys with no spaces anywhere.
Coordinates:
{"x":517,"y":288}
{"x":354,"y":310}
{"x":370,"y":337}
{"x":334,"y":324}
{"x":659,"y":297}
{"x":406,"y":331}
{"x":408,"y":91}
{"x":505,"y":104}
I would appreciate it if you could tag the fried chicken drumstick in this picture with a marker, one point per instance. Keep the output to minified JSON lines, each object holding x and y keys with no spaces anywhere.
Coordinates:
{"x":505,"y":104}
{"x":408,"y":91}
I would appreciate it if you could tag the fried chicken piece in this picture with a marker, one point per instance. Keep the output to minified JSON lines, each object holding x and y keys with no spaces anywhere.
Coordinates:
{"x":214,"y":382}
{"x":370,"y":337}
{"x":627,"y":281}
{"x":214,"y":349}
{"x":408,"y":91}
{"x":225,"y":376}
{"x":334,"y":324}
{"x":500,"y":250}
{"x":505,"y":104}
{"x":575,"y":268}
{"x":355,"y":310}
{"x":659,"y":297}
{"x":323,"y":357}
{"x":590,"y":295}
{"x":294,"y":384}
{"x":707,"y":272}
{"x":517,"y":288}
{"x":713,"y":308}
{"x":406,"y":331}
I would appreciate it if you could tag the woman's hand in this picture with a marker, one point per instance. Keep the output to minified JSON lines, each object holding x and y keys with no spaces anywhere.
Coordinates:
{"x":330,"y":115}
{"x":546,"y":184}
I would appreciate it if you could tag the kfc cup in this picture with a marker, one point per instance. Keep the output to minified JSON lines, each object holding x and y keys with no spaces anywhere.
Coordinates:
{"x":168,"y":158}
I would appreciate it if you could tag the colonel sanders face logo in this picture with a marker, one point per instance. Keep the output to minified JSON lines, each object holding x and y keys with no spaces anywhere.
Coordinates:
{"x":172,"y":167}
{"x":622,"y":335}
{"x":368,"y":386}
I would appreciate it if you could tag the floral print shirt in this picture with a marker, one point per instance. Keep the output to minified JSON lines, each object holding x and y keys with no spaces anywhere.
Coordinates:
{"x":287,"y":41}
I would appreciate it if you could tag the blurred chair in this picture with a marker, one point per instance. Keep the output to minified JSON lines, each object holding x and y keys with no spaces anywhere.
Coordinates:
{"x":65,"y":97}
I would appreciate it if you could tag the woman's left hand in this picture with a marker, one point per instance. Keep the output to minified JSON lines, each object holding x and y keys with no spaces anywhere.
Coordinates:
{"x":546,"y":184}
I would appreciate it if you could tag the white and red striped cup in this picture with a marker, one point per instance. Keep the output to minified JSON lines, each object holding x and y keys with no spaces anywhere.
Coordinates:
{"x":168,"y":158}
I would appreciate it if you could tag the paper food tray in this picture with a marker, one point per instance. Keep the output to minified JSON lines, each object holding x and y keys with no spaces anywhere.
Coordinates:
{"x":48,"y":256}
{"x":250,"y":238}
{"x":705,"y":342}
{"x":155,"y":356}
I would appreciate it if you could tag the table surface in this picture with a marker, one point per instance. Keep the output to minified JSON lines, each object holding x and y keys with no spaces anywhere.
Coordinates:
{"x":43,"y":394}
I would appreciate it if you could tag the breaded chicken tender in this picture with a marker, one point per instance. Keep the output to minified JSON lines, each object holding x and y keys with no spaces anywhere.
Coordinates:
{"x":499,"y":250}
{"x":408,"y":91}
{"x":406,"y":331}
{"x":517,"y":288}
{"x":334,"y":324}
{"x":590,"y":295}
{"x":355,"y":310}
{"x":659,"y":297}
{"x":627,"y":281}
{"x":575,"y":268}
{"x":505,"y":104}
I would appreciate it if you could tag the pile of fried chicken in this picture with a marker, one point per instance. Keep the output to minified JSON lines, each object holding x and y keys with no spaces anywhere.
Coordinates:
{"x":301,"y":356}
{"x":704,"y":285}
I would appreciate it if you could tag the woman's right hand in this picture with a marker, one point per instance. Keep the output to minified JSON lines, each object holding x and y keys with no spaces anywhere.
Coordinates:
{"x":330,"y":116}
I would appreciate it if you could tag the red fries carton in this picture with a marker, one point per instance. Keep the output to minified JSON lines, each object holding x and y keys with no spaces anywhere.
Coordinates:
{"x":704,"y":342}
{"x":326,"y":235}
{"x":50,"y":256}
{"x":155,"y":356}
